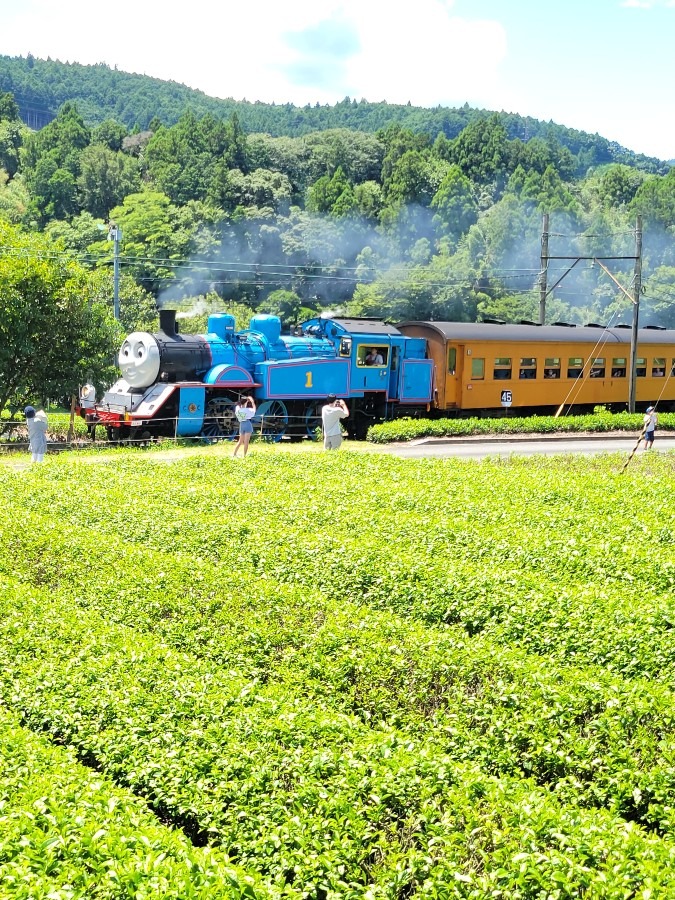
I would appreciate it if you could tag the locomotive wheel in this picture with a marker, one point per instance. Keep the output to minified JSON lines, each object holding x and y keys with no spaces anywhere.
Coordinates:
{"x":313,"y":420}
{"x":271,"y":420}
{"x":219,"y":419}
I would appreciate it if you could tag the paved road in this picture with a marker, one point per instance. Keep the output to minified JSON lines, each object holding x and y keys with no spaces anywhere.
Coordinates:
{"x":459,"y":448}
{"x":479,"y":448}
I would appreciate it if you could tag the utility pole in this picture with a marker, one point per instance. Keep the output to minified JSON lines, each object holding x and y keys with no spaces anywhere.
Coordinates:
{"x":115,"y":235}
{"x":637,"y":289}
{"x":544,"y":270}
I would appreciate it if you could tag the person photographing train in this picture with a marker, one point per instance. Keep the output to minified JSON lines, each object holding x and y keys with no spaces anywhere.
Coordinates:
{"x":331,"y":415}
{"x":244,"y":412}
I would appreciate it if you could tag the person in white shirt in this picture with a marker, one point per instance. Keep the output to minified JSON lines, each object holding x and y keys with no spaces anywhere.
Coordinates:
{"x":36,"y":425}
{"x":374,"y":358}
{"x":244,"y":412}
{"x":331,"y":415}
{"x":649,"y":424}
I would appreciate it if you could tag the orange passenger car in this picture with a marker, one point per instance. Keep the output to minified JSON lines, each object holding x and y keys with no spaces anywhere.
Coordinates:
{"x":481,"y":366}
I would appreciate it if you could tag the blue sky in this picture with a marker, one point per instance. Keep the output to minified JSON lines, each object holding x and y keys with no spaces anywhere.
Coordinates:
{"x":602,"y":66}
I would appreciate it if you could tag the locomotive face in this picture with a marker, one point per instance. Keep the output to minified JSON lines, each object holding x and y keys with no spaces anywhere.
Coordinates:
{"x":139,"y":359}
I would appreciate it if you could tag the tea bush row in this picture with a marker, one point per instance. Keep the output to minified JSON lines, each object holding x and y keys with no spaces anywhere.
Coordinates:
{"x":65,"y":832}
{"x":310,"y":799}
{"x":427,"y":673}
{"x":557,"y":558}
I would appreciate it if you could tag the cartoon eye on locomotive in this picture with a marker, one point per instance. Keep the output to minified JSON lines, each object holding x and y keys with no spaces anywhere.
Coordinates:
{"x":176,"y":385}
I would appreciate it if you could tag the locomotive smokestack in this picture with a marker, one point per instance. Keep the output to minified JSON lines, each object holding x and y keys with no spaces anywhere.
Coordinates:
{"x":167,"y":322}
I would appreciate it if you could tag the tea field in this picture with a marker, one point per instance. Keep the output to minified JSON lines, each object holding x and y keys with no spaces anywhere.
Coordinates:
{"x":337,"y":675}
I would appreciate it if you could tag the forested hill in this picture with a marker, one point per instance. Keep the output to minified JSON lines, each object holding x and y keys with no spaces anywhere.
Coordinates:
{"x":40,"y":87}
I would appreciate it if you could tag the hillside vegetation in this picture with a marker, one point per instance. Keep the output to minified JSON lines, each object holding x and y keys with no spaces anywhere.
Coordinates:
{"x":41,"y":87}
{"x":360,"y":208}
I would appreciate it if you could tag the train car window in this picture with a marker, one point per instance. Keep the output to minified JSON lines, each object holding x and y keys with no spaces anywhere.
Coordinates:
{"x":575,"y":367}
{"x":477,"y":369}
{"x":502,"y":369}
{"x":552,"y":367}
{"x":598,"y":368}
{"x":672,"y":367}
{"x":346,"y":346}
{"x":619,"y":367}
{"x":452,"y":360}
{"x":528,"y":368}
{"x":372,"y":355}
{"x":658,"y":367}
{"x":641,"y":367}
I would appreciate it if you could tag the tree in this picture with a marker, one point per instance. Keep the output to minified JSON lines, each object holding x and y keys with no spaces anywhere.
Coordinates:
{"x":261,"y":188}
{"x":397,"y":141}
{"x":331,"y":194}
{"x":285,"y":304}
{"x":545,"y":191}
{"x":655,"y":200}
{"x":11,"y":140}
{"x":368,"y":200}
{"x":109,"y":133}
{"x":15,"y":205}
{"x":183,"y":160}
{"x":106,"y":177}
{"x":51,"y":158}
{"x":9,"y":108}
{"x":79,"y":233}
{"x":53,"y":337}
{"x":138,"y":309}
{"x":455,"y":204}
{"x":289,"y":156}
{"x":359,"y":155}
{"x":482,"y":151}
{"x":658,"y":306}
{"x":156,"y":237}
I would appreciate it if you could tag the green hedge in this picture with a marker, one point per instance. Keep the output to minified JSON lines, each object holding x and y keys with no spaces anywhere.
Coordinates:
{"x":412,"y":429}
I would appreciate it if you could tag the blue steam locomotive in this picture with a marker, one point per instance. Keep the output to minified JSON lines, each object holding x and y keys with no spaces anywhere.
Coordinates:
{"x":187,"y":385}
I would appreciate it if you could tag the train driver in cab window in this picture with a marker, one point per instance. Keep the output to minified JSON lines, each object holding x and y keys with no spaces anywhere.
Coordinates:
{"x":374,"y":357}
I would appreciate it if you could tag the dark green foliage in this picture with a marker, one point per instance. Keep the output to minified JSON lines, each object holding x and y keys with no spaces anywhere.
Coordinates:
{"x":52,"y":336}
{"x":182,"y":159}
{"x":331,"y":202}
{"x":9,"y":108}
{"x":46,"y":84}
